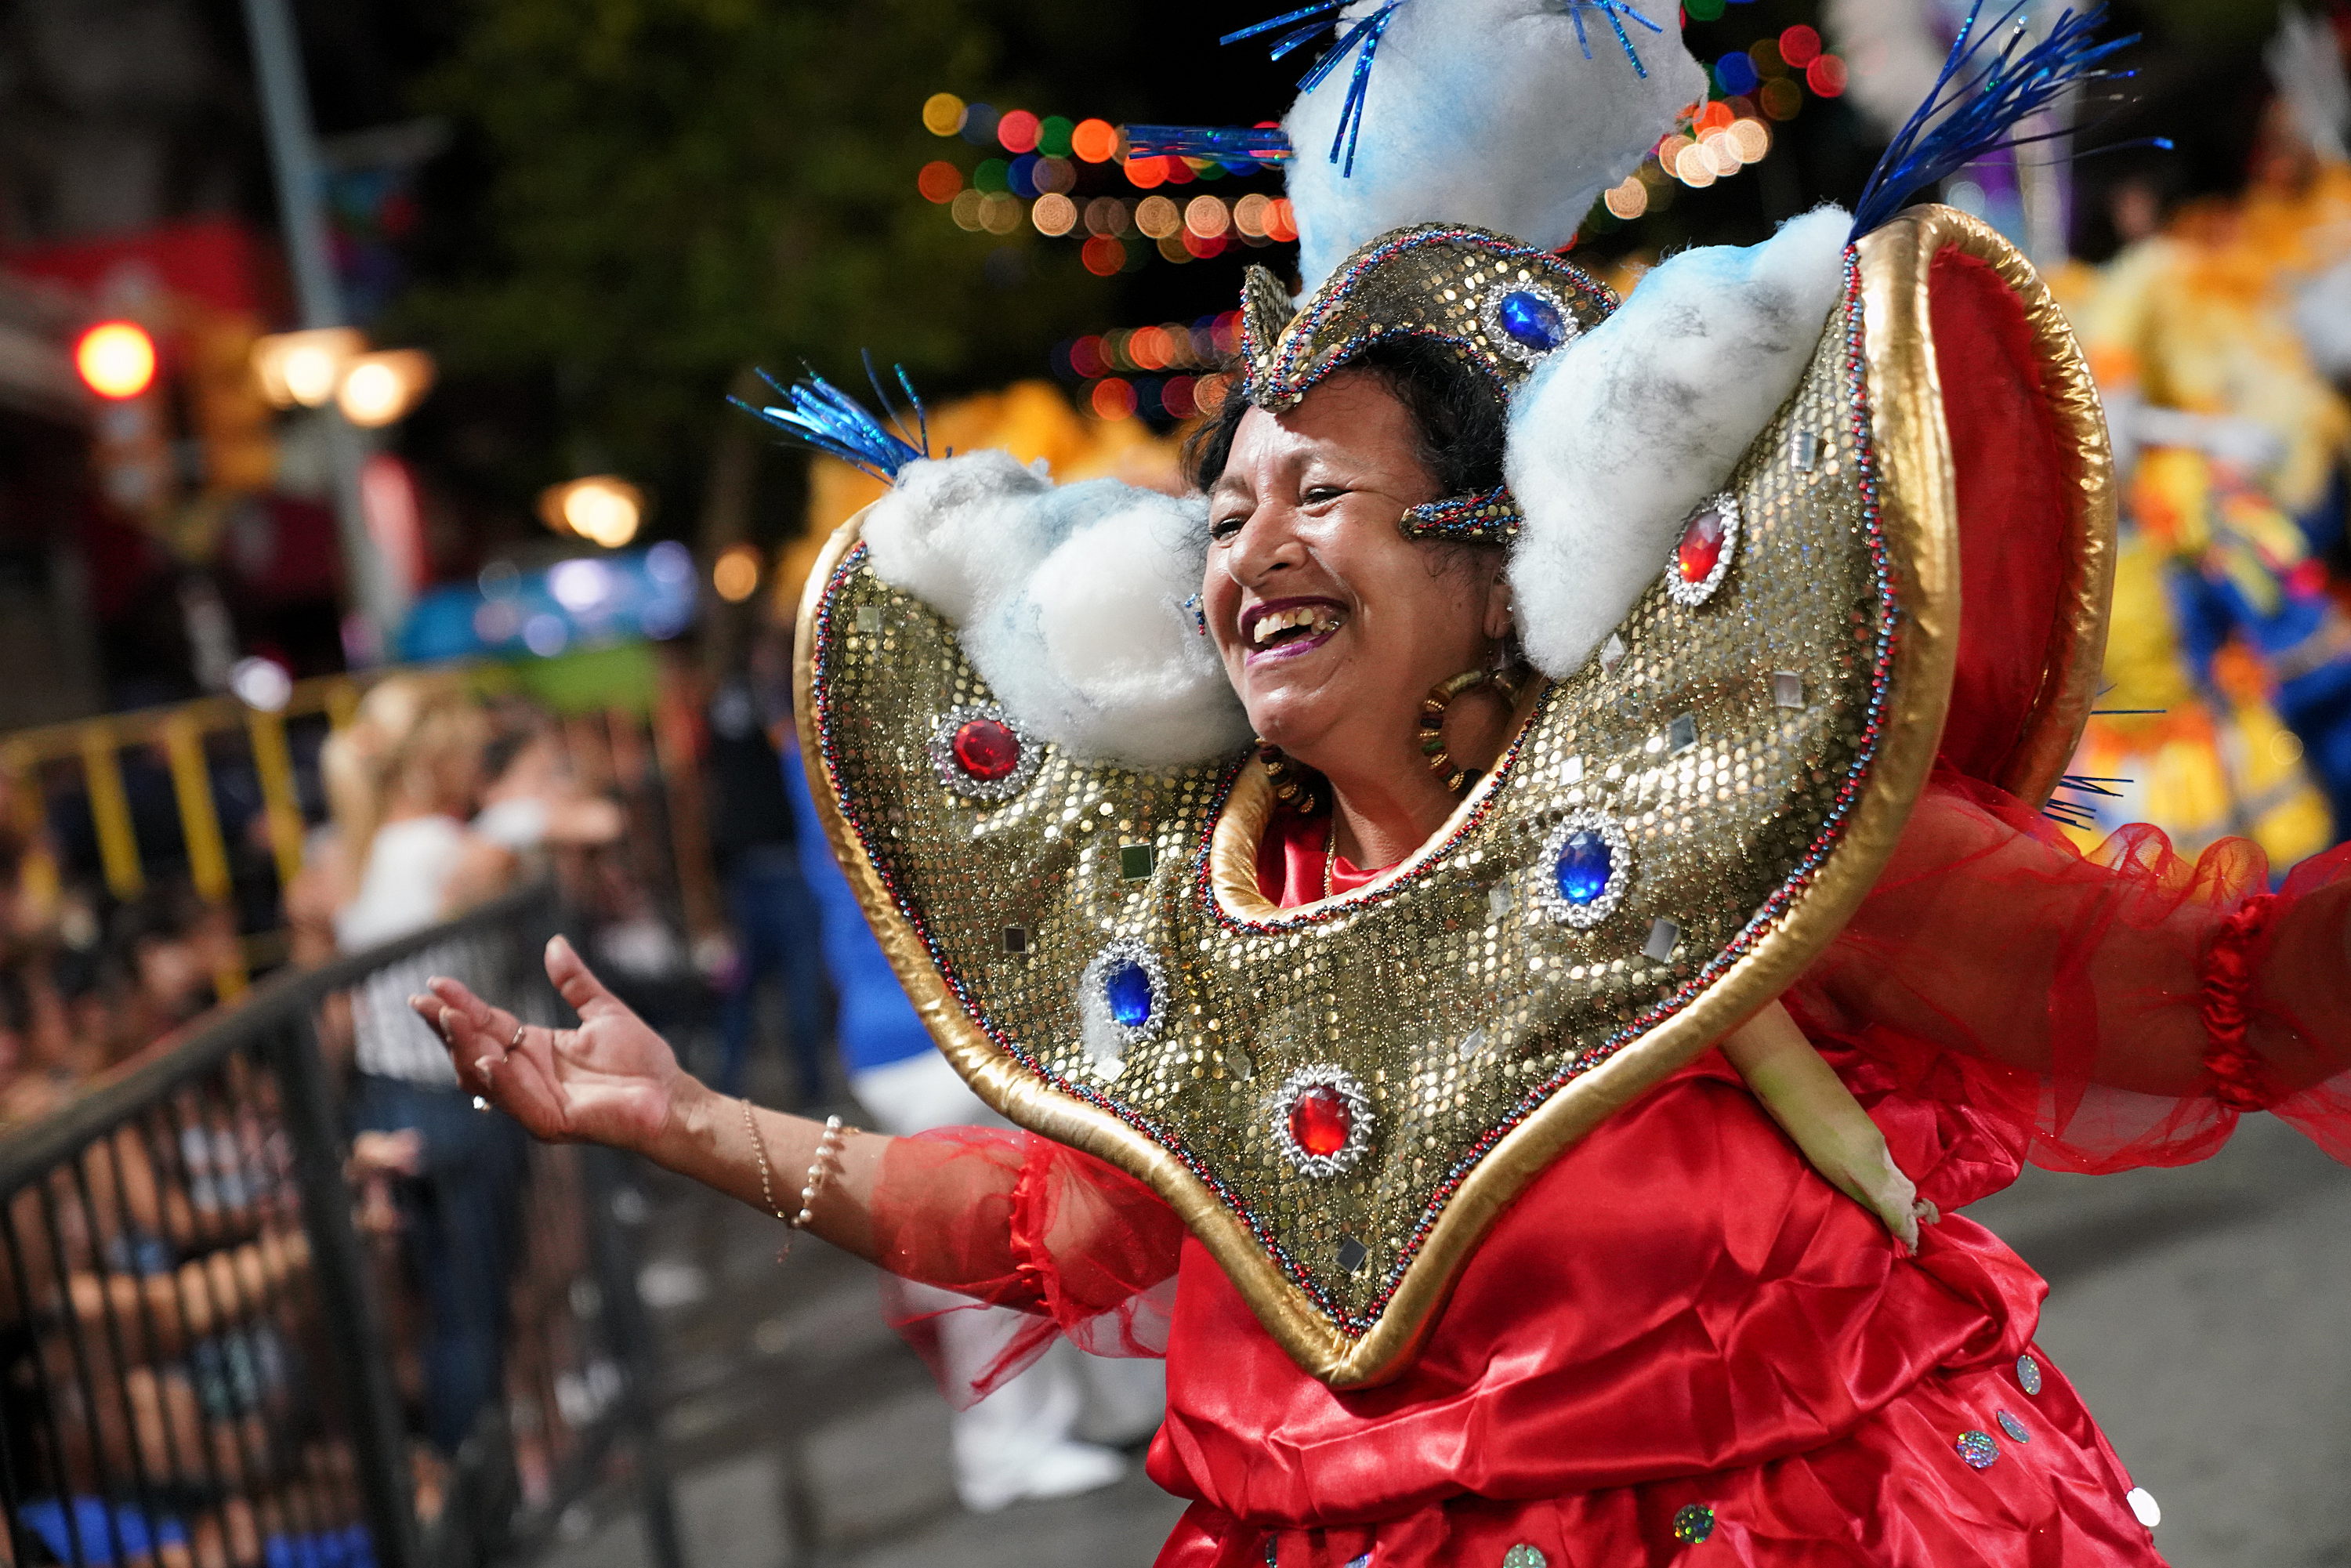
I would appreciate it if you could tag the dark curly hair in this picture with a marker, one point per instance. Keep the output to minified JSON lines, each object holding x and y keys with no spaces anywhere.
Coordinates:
{"x":1457,"y":410}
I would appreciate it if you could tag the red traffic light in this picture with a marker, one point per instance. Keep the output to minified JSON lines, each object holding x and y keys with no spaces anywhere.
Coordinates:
{"x":116,"y":360}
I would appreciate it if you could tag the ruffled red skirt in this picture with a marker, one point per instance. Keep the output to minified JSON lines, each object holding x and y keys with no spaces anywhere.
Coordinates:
{"x":1680,"y":1339}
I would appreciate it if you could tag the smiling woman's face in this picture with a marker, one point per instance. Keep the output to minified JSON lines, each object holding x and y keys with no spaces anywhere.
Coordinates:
{"x":1332,"y":625}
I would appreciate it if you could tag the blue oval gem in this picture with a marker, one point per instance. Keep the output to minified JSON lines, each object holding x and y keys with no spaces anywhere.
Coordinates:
{"x":1532,"y":320}
{"x":1127,"y":989}
{"x":1583,"y":868}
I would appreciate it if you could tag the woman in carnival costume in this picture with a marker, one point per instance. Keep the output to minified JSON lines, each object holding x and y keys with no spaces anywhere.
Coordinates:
{"x":1467,"y":1087}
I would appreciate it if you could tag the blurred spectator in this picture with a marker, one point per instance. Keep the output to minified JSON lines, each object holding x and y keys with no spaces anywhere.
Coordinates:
{"x":531,"y":803}
{"x":752,"y":843}
{"x":403,"y":780}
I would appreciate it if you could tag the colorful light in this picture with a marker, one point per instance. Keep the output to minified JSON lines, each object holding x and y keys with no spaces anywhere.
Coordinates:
{"x":939,"y":180}
{"x":1112,"y":399}
{"x":1627,"y":201}
{"x":1053,"y":135}
{"x":979,"y":124}
{"x":304,"y":368}
{"x":1016,"y":131}
{"x":1826,"y":76}
{"x":1281,"y":221}
{"x":380,"y":389}
{"x":1207,"y":216}
{"x":942,"y":114}
{"x":1054,"y":215}
{"x":1781,"y":98}
{"x":1108,"y":215}
{"x":1736,"y":73}
{"x":734,"y":575}
{"x":1147,"y":173}
{"x":1248,"y":214}
{"x":1157,"y":217}
{"x":601,"y":508}
{"x":116,"y":360}
{"x":1095,"y":141}
{"x":1800,"y":46}
{"x":999,"y":214}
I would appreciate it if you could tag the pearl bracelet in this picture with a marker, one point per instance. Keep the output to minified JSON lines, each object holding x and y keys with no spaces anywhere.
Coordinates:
{"x":821,"y":1170}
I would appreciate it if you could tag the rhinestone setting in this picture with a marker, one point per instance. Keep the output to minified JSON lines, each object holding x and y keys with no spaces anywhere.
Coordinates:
{"x":1322,"y":1121}
{"x":980,"y":754}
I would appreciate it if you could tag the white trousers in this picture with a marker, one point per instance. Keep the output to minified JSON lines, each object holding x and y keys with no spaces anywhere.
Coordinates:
{"x":1066,"y":1394}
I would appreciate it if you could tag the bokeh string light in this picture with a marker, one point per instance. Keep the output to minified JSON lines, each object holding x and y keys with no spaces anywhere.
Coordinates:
{"x":1034,"y":167}
{"x":1760,"y":86}
{"x":1033,"y":171}
{"x":1168,"y":370}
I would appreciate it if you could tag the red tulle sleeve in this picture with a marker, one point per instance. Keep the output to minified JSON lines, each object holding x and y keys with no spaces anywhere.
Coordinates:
{"x":2123,"y":1007}
{"x":1004,"y":1218}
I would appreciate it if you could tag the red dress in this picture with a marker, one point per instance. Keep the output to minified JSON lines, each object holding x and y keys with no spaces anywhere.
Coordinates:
{"x":1680,"y":1333}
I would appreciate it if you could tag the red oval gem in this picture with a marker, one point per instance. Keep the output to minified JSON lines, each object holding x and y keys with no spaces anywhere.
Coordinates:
{"x":1319,"y":1120}
{"x":987,"y":748}
{"x":1701,"y":547}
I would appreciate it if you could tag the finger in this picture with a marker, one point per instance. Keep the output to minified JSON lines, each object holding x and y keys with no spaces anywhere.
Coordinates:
{"x":478,"y":1058}
{"x":458,"y":994}
{"x":577,"y":983}
{"x":491,"y":1022}
{"x":519,"y":1086}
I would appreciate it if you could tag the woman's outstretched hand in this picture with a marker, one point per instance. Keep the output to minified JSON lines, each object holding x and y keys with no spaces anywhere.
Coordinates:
{"x":612,"y":1080}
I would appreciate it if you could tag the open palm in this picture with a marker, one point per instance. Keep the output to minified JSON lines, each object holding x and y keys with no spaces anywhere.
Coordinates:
{"x":610,"y":1081}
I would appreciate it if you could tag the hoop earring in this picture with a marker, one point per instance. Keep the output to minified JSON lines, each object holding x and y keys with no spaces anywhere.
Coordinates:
{"x":1292,"y":783}
{"x":1432,"y":720}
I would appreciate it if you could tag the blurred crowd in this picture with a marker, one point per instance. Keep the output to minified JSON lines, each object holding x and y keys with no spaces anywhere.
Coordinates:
{"x":86,"y":983}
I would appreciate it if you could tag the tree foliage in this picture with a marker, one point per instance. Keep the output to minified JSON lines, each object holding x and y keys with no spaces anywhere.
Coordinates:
{"x":673,"y":190}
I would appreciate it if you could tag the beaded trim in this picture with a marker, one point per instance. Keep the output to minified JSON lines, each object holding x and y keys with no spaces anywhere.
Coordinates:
{"x":1489,"y":517}
{"x":1361,"y":1120}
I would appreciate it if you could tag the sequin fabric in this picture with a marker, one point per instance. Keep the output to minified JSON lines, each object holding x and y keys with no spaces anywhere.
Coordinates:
{"x":1433,"y":282}
{"x":1449,"y":993}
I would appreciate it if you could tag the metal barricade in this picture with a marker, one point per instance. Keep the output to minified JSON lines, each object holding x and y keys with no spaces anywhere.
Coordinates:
{"x":202,"y":1354}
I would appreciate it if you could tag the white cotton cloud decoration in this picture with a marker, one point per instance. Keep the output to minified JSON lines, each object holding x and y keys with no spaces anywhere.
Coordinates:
{"x":1617,"y":437}
{"x":1484,"y":112}
{"x":1070,"y":601}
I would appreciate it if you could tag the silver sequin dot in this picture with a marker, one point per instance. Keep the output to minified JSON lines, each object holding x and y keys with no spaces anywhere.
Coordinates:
{"x":1978,"y":1449}
{"x":2028,"y":1373}
{"x":2012,"y":1427}
{"x":1525,"y":1556}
